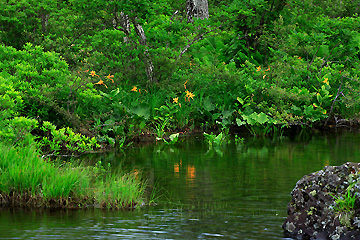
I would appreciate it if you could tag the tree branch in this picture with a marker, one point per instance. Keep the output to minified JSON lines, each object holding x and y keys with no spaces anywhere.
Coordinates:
{"x":195,"y":40}
{"x":333,"y":103}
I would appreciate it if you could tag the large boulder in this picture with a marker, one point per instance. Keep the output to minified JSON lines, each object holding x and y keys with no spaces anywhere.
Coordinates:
{"x":326,"y":205}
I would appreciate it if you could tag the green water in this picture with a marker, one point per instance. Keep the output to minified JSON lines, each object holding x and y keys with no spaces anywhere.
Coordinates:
{"x":237,"y":192}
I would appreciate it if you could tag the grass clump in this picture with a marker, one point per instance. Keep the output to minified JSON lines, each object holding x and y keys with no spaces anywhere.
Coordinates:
{"x":28,"y":180}
{"x":119,"y":191}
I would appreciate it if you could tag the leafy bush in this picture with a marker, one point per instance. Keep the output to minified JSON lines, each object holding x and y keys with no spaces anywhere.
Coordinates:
{"x":66,"y":140}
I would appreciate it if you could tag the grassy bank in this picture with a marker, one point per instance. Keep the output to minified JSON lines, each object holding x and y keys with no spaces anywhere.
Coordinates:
{"x":77,"y":89}
{"x":27,"y":180}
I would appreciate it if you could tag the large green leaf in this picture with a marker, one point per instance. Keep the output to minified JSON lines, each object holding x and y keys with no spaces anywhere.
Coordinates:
{"x":262,"y":118}
{"x":141,"y":111}
{"x":226,"y":113}
{"x":239,"y":122}
{"x":208,"y":105}
{"x":249,"y":119}
{"x":308,"y":110}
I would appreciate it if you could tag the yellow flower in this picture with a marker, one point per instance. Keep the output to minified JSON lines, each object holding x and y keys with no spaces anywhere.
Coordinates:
{"x":258,"y":68}
{"x":189,"y":95}
{"x":110,"y":77}
{"x":185,"y":84}
{"x":175,"y":100}
{"x":134,"y":89}
{"x":101,"y":82}
{"x":93,"y":74}
{"x":326,"y":81}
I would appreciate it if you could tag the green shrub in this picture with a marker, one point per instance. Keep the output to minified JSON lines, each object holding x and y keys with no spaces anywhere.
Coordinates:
{"x":66,"y":140}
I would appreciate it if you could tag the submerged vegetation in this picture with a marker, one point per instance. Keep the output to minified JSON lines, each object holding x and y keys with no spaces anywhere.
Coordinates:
{"x":78,"y":77}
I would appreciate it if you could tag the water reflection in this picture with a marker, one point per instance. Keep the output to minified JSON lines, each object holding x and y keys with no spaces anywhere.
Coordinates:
{"x":190,"y":175}
{"x":177,"y":170}
{"x":239,"y":194}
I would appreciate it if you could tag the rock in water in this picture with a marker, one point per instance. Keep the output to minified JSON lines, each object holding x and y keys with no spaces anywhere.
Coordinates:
{"x":326,"y":205}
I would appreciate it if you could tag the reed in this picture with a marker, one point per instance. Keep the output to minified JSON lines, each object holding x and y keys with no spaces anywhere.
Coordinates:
{"x":68,"y":181}
{"x":22,"y":169}
{"x":25,"y":176}
{"x":120,"y":191}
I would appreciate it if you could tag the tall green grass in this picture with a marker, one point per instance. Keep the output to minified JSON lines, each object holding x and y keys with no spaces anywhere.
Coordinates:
{"x":23,"y":172}
{"x":120,"y":191}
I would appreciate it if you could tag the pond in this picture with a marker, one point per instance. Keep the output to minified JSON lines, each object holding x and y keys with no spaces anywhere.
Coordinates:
{"x":240,"y":191}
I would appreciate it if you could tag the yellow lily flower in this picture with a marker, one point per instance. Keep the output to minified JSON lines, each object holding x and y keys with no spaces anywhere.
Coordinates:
{"x":189,"y":95}
{"x":110,"y":77}
{"x":326,"y":81}
{"x":101,"y":82}
{"x":93,"y":74}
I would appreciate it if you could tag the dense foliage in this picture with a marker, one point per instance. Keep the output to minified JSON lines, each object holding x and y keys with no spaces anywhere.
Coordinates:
{"x":78,"y":75}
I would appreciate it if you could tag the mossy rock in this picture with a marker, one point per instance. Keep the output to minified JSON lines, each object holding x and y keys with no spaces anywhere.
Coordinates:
{"x":313,"y":212}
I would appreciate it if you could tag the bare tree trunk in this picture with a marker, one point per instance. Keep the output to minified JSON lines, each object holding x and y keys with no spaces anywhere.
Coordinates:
{"x":149,"y":67}
{"x":123,"y":21}
{"x":197,"y":9}
{"x":44,"y":19}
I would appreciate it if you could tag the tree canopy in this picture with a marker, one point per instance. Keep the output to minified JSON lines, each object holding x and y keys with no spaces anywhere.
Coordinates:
{"x":118,"y":69}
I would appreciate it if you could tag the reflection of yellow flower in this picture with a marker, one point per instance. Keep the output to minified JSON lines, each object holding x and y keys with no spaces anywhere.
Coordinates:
{"x":134,"y":89}
{"x":110,"y":77}
{"x":175,"y":100}
{"x":101,"y":82}
{"x":326,"y":81}
{"x":258,"y":68}
{"x":189,"y":95}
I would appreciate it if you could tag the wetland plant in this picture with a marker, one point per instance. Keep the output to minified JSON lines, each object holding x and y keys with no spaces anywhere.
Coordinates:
{"x":346,"y":202}
{"x":215,"y":140}
{"x":28,"y":180}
